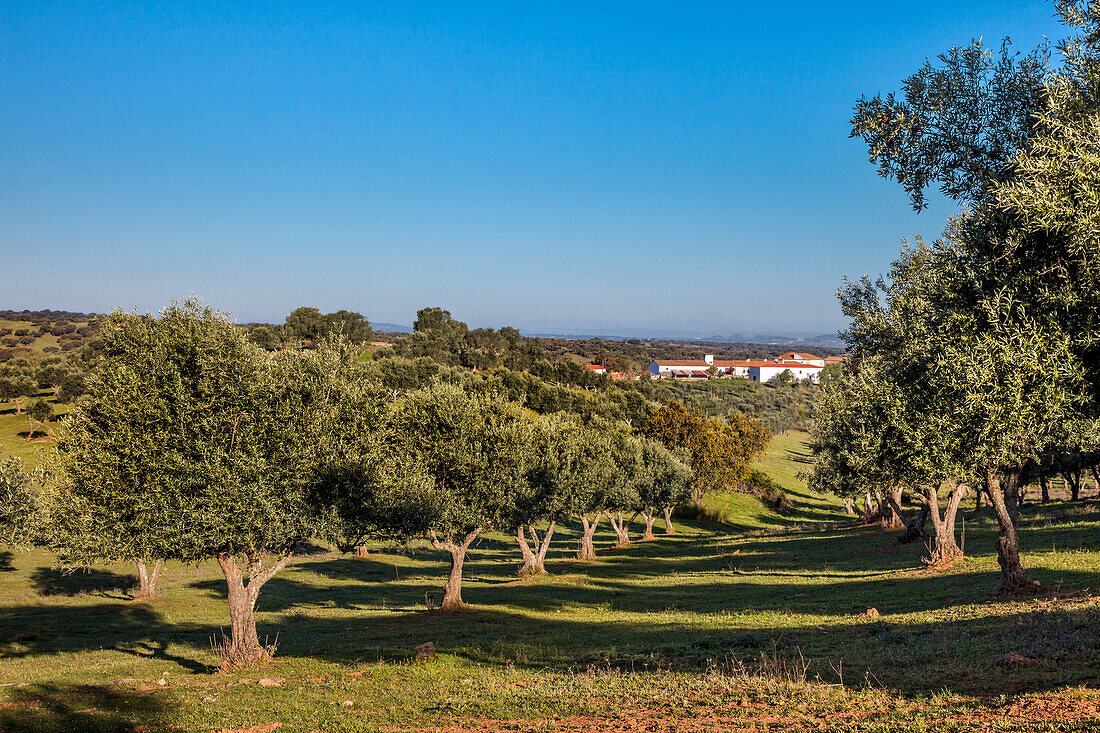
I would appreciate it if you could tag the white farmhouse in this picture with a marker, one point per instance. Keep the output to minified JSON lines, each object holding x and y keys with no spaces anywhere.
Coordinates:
{"x":682,"y":369}
{"x":758,"y":371}
{"x":803,"y":358}
{"x":765,"y":371}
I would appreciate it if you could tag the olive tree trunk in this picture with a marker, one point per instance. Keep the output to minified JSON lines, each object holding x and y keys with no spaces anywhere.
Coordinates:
{"x":1044,"y":487}
{"x":1002,"y":498}
{"x":622,"y":539}
{"x":244,"y":643}
{"x":147,"y":581}
{"x":530,"y":563}
{"x":452,"y":592}
{"x":868,"y":508}
{"x":914,"y":528}
{"x":587,"y":549}
{"x":361,"y":550}
{"x":1073,"y":480}
{"x":944,"y":525}
{"x":648,"y":516}
{"x":890,"y":510}
{"x":534,"y":561}
{"x":544,"y":543}
{"x":669,"y":529}
{"x":849,"y":506}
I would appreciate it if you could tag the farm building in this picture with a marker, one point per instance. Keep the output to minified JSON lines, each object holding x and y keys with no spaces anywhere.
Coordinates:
{"x":803,"y":358}
{"x":758,"y":371}
{"x":765,"y":371}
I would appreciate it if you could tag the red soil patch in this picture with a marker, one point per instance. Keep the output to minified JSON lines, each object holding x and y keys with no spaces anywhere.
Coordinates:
{"x":1061,"y":709}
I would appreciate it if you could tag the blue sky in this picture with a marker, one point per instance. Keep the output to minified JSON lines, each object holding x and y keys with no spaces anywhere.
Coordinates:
{"x":558,"y":166}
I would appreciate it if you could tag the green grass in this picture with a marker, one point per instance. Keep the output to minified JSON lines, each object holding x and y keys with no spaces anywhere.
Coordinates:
{"x":14,"y":429}
{"x":703,"y":630}
{"x":788,"y":454}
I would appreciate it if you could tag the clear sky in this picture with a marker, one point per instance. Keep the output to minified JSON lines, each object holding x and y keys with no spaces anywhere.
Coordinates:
{"x":554,"y":166}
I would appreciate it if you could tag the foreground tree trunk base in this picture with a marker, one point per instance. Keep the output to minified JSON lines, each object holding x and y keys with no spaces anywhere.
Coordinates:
{"x":232,"y":657}
{"x":1014,"y":581}
{"x":649,"y":517}
{"x":1019,"y":586}
{"x":587,"y":549}
{"x":452,"y":592}
{"x":147,"y":581}
{"x":622,"y":538}
{"x":669,"y":529}
{"x":361,"y":551}
{"x":243,"y":646}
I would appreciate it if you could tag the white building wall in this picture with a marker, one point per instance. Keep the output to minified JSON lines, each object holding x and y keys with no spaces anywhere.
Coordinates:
{"x":767,"y":373}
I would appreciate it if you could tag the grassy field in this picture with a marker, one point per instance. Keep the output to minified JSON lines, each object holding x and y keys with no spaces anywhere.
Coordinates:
{"x":709,"y":629}
{"x":787,"y":455}
{"x":15,"y":428}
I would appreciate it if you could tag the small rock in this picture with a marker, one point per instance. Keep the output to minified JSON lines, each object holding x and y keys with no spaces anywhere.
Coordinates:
{"x":162,"y":682}
{"x":1012,"y":659}
{"x":870,"y":613}
{"x":347,"y":703}
{"x":426,"y":651}
{"x":269,"y":682}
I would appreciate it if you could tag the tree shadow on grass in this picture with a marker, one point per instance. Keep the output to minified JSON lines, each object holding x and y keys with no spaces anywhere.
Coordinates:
{"x":55,"y":708}
{"x":1005,"y":648}
{"x":130,"y":628}
{"x":82,"y":582}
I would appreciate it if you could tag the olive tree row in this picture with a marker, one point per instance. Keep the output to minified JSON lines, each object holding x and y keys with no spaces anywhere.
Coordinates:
{"x":193,"y":444}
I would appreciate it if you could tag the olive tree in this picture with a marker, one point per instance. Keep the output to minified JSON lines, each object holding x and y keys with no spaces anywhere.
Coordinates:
{"x":662,"y":481}
{"x":477,"y":451}
{"x":621,"y":495}
{"x":560,"y":482}
{"x":193,"y":444}
{"x":17,"y":502}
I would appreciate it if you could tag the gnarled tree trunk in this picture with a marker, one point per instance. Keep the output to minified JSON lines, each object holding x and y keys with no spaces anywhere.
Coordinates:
{"x":1044,"y":487}
{"x":914,"y":528}
{"x":534,"y":561}
{"x":587,"y":549}
{"x":543,"y":544}
{"x":1013,"y":577}
{"x":452,"y":592}
{"x":945,"y":548}
{"x":361,"y":550}
{"x":622,"y":539}
{"x":1073,"y":480}
{"x":868,"y":508}
{"x":530,"y":563}
{"x":649,"y":514}
{"x":669,"y":529}
{"x":849,"y":506}
{"x":890,"y":510}
{"x":147,"y":581}
{"x":244,"y":642}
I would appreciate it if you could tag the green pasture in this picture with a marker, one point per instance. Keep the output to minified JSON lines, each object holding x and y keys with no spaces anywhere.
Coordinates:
{"x":708,"y":629}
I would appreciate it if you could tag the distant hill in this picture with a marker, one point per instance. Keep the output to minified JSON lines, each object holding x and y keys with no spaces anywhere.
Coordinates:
{"x":390,"y":328}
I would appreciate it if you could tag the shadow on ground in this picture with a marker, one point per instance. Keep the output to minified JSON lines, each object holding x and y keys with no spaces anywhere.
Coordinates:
{"x":50,"y":708}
